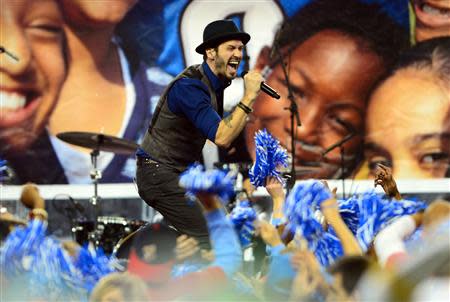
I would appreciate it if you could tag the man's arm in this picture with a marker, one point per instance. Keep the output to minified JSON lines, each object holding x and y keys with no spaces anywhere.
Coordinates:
{"x":230,"y":127}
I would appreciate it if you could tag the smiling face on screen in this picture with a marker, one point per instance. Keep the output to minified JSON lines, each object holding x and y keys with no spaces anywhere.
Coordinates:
{"x":29,"y":87}
{"x":432,"y":18}
{"x":331,"y":75}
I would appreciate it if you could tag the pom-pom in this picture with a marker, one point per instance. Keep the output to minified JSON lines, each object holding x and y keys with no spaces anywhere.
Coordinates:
{"x":269,"y":155}
{"x":349,"y":211}
{"x":37,"y":263}
{"x":300,"y":208}
{"x":195,"y":180}
{"x":302,"y":202}
{"x":376,"y":213}
{"x":243,"y":217}
{"x":92,"y":264}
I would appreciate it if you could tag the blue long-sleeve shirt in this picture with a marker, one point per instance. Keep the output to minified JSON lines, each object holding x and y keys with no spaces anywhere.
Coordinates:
{"x":225,"y":243}
{"x":280,"y":270}
{"x":190,"y":98}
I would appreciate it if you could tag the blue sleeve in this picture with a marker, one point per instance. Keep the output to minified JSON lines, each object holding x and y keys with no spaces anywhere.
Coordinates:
{"x":227,"y":250}
{"x":280,"y":267}
{"x":190,"y":98}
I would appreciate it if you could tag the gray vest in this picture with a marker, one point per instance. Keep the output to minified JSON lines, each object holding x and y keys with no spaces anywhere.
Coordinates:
{"x":171,"y":139}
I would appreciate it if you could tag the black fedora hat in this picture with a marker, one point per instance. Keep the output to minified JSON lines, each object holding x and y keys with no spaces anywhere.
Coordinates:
{"x":221,"y":31}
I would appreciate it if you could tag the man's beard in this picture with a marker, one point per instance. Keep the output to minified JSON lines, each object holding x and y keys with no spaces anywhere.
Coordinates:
{"x":221,"y":67}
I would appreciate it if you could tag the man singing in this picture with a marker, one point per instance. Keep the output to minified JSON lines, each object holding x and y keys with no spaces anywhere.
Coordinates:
{"x":190,"y":111}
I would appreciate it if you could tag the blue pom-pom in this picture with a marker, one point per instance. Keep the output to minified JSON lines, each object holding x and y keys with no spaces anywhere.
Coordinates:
{"x":92,"y":265}
{"x":300,"y":207}
{"x":243,"y":217}
{"x":38,"y":264}
{"x":376,"y":213}
{"x":195,"y":180}
{"x":349,"y":211}
{"x":269,"y":156}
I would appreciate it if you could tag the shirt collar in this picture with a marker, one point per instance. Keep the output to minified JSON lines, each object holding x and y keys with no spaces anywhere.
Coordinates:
{"x":215,"y":81}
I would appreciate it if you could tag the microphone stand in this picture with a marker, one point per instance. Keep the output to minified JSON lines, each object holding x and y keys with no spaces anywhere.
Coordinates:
{"x":340,"y":145}
{"x":294,"y":116}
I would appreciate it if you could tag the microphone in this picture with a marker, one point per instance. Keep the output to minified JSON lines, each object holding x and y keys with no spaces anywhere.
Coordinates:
{"x":266,"y":88}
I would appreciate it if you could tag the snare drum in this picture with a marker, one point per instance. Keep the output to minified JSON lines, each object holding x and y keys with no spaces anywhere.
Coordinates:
{"x":111,"y":229}
{"x":82,"y":231}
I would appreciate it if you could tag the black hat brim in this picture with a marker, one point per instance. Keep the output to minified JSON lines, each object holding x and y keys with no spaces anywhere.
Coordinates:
{"x":215,"y":41}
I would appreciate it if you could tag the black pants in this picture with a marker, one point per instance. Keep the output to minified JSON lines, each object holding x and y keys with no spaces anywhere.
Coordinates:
{"x":158,"y":187}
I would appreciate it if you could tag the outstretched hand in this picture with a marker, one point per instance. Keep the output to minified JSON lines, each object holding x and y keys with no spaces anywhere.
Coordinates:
{"x":383,"y":177}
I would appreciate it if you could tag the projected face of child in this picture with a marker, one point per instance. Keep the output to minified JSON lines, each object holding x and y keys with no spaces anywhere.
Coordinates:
{"x":331,"y":76}
{"x":29,"y":86}
{"x":408,"y":125}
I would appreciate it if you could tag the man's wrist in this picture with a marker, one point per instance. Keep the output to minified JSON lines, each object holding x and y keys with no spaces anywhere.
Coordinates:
{"x":248,"y":99}
{"x":244,"y":107}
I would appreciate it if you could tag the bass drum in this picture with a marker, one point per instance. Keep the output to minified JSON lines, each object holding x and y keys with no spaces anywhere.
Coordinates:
{"x":122,"y":249}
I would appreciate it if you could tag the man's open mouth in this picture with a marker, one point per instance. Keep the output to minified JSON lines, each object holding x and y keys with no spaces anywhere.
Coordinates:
{"x":233,"y":65}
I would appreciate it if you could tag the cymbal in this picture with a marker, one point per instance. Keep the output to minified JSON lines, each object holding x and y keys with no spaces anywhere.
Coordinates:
{"x":99,"y":141}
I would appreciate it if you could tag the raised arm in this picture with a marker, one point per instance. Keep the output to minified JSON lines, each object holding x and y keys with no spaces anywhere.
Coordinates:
{"x":275,"y":189}
{"x":230,"y":127}
{"x":349,"y":243}
{"x":227,"y":250}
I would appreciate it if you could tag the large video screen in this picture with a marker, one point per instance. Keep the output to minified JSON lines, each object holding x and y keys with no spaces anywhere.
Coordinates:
{"x":80,"y":80}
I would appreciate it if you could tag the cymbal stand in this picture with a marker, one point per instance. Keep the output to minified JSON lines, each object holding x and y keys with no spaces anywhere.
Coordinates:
{"x":95,"y":176}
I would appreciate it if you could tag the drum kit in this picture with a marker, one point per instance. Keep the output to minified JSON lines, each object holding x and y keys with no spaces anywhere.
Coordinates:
{"x":111,"y":233}
{"x":105,"y":231}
